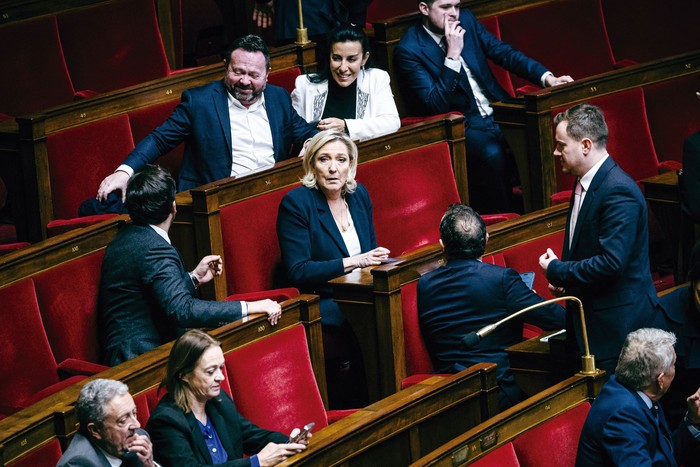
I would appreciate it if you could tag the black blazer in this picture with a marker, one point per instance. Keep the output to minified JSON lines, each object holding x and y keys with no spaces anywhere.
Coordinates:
{"x":146,"y":296}
{"x":177,"y":438}
{"x":311,"y":244}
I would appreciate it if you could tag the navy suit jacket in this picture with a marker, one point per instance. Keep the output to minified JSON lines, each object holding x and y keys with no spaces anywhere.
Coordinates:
{"x":177,"y":438}
{"x":202,"y":121}
{"x":607,"y":265}
{"x":146,"y":295}
{"x":620,"y":430}
{"x":435,"y":88}
{"x":311,"y":244}
{"x":465,"y":295}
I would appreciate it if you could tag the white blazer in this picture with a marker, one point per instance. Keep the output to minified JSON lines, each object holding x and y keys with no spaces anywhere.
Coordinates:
{"x":376,"y":110}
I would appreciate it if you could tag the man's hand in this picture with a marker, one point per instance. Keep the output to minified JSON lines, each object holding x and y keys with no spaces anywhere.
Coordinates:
{"x":271,"y":307}
{"x":454,"y":35}
{"x":143,"y":448}
{"x":273,"y":454}
{"x":262,"y":14}
{"x":337,"y":124}
{"x":556,"y":291}
{"x":547,"y":258}
{"x":114,"y":182}
{"x":693,"y":403}
{"x":209,"y":267}
{"x":552,"y":80}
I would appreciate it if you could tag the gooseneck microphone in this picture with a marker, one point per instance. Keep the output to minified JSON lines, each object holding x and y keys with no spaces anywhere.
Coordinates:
{"x":472,"y":339}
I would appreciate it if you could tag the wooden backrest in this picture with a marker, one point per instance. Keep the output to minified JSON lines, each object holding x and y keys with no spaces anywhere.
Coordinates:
{"x":403,"y":427}
{"x":54,"y":416}
{"x":568,"y":400}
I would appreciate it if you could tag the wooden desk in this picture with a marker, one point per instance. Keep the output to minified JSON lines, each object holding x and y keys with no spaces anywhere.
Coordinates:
{"x":663,"y":196}
{"x":538,"y":365}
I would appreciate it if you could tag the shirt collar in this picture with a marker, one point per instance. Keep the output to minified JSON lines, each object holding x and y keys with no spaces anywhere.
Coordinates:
{"x":436,"y":37}
{"x":160,"y":232}
{"x":646,"y":399}
{"x":588,"y":178}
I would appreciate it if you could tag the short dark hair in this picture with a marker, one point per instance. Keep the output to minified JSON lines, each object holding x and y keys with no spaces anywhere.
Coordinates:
{"x":249,"y":43}
{"x":585,"y":121}
{"x":93,"y":398}
{"x":186,"y":352}
{"x":150,"y":194}
{"x":463,"y":232}
{"x":342,"y":33}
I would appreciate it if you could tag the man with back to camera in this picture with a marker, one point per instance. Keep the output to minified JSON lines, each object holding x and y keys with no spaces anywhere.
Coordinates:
{"x":109,"y":432}
{"x":605,"y":257}
{"x":626,"y":425}
{"x":230,"y":127}
{"x":146,"y":295}
{"x":466,"y":294}
{"x":443,"y":64}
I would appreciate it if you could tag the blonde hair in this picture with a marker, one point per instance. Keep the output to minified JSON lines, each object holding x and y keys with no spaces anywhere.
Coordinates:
{"x":315,"y":145}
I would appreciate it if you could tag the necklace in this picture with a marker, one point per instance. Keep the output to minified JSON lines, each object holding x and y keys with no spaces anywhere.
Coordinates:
{"x":341,"y":218}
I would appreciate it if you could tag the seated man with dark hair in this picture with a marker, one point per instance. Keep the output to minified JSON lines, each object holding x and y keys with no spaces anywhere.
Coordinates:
{"x":109,"y":432}
{"x":466,"y":294}
{"x":626,"y":426}
{"x":146,"y":295}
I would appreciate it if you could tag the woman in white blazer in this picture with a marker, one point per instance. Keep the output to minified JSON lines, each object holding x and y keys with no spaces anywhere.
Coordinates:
{"x":348,"y":95}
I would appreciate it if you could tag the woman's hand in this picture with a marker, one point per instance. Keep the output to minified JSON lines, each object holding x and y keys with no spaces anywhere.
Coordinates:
{"x":332,"y":123}
{"x":371,"y":258}
{"x":273,"y":454}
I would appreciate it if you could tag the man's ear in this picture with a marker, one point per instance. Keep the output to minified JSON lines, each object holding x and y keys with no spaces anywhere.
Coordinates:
{"x":660,"y":380}
{"x":94,"y":432}
{"x":423,"y":8}
{"x":587,"y":145}
{"x":442,"y":245}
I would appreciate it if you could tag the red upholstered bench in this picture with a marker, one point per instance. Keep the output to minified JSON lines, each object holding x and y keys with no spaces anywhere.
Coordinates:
{"x":410,"y":193}
{"x":32,"y":57}
{"x":273,"y":385}
{"x":112,"y":45}
{"x":48,"y":454}
{"x":554,"y":442}
{"x":27,"y":364}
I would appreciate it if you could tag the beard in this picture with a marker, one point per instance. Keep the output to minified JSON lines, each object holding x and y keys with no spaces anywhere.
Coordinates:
{"x":245,"y":94}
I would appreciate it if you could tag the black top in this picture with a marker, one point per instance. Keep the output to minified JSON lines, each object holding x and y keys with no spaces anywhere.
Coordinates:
{"x":341,"y":102}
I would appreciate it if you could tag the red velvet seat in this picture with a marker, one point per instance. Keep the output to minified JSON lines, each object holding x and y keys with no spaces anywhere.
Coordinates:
{"x":10,"y":247}
{"x":645,"y":30}
{"x":48,"y":454}
{"x":381,"y":10}
{"x":80,"y":157}
{"x":273,"y":383}
{"x":501,"y":75}
{"x":555,"y":442}
{"x":408,"y":199}
{"x":550,"y":34}
{"x":67,"y":298}
{"x":504,"y":456}
{"x":28,"y":367}
{"x":34,"y":75}
{"x":284,"y":78}
{"x":629,"y":141}
{"x":112,"y":45}
{"x":669,"y":129}
{"x":250,"y":238}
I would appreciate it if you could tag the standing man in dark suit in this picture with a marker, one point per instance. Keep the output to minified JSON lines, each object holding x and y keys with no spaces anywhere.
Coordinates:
{"x":146,"y":295}
{"x":626,"y":426}
{"x":466,"y":294}
{"x":109,"y":432}
{"x":229,"y":127}
{"x":442,"y":66}
{"x":605,"y":258}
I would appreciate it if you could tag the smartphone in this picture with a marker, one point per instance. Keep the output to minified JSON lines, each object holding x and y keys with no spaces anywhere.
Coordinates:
{"x":302,"y":434}
{"x":528,"y":278}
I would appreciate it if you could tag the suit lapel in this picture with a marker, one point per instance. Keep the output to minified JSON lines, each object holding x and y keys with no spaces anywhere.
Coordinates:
{"x":274,"y":116}
{"x":327,"y":222}
{"x":360,"y":218}
{"x":199,"y":442}
{"x":220,"y":98}
{"x":430,"y":49}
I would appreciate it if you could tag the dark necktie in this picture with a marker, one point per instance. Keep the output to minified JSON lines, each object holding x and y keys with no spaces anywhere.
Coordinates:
{"x":664,"y":435}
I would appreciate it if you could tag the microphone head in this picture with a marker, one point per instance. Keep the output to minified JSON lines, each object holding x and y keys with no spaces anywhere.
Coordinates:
{"x":471,"y":340}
